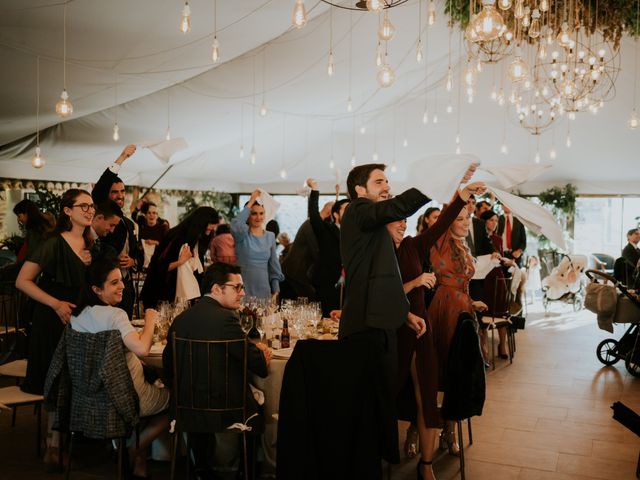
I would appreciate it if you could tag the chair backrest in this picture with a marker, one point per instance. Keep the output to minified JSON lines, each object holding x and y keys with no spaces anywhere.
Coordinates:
{"x":499,"y":300}
{"x":209,"y":383}
{"x":606,"y":260}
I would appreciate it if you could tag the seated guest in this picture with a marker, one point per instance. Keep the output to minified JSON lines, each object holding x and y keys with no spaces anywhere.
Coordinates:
{"x":96,"y":312}
{"x":222,"y":247}
{"x":214,"y":317}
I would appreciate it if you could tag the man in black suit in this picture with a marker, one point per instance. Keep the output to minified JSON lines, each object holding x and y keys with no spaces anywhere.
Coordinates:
{"x":105,"y":221}
{"x":631,"y":252}
{"x":123,"y":238}
{"x":326,"y":270}
{"x":478,"y":241}
{"x":515,"y":244}
{"x":214,"y":317}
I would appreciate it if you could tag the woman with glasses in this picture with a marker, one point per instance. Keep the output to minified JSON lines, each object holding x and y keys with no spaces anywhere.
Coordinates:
{"x":58,"y":266}
{"x":256,"y":251}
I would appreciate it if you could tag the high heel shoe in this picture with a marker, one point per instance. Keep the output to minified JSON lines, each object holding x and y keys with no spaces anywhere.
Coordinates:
{"x":448,"y":442}
{"x":411,"y":442}
{"x":419,"y":473}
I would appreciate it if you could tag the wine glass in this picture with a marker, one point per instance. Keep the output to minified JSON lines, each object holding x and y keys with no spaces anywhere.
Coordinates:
{"x":246,"y":322}
{"x":260,"y":327}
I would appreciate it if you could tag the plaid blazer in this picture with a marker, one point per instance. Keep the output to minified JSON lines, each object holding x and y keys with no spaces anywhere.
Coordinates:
{"x":89,"y":387}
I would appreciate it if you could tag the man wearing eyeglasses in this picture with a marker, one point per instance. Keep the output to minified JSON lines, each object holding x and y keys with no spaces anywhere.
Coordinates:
{"x":214,"y":317}
{"x":123,"y":238}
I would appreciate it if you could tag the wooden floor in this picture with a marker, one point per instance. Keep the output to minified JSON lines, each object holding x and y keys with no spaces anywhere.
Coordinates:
{"x":547,"y":416}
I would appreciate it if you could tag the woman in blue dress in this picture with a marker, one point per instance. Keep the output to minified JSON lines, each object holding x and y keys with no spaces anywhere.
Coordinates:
{"x":256,"y":251}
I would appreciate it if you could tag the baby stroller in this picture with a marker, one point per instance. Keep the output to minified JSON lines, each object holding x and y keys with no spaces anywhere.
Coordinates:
{"x":566,"y":282}
{"x":615,"y":303}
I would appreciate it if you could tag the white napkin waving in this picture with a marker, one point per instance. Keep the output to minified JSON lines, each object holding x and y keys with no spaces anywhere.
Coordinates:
{"x":164,"y":149}
{"x":439,"y":176}
{"x":186,"y":284}
{"x":269,"y":204}
{"x":510,"y":176}
{"x":483,"y":265}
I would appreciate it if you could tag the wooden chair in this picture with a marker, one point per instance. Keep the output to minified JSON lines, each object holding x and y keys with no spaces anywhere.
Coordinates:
{"x":12,"y":397}
{"x":208,"y":366}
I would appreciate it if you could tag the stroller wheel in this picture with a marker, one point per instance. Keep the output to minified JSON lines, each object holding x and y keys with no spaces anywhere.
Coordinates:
{"x":632,"y":365}
{"x":606,"y":351}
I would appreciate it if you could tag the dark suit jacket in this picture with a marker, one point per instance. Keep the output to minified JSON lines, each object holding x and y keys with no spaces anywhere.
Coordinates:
{"x":374,"y":297}
{"x":326,"y":268}
{"x":479,"y":244}
{"x":296,"y":264}
{"x":208,"y":320}
{"x":631,"y":255}
{"x":125,"y":228}
{"x":518,"y":234}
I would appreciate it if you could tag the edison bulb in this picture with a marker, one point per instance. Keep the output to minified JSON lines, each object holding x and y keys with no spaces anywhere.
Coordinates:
{"x":116,"y":132}
{"x":374,"y":157}
{"x":449,"y":108}
{"x":37,"y":161}
{"x":394,"y":169}
{"x":504,"y":149}
{"x":518,"y":69}
{"x":534,"y":29}
{"x":375,"y":6}
{"x":419,"y":52}
{"x":425,"y":117}
{"x":215,"y":50}
{"x":470,"y":76}
{"x":518,"y":11}
{"x":489,"y":24}
{"x":185,"y":20}
{"x":379,"y":54}
{"x":568,"y":142}
{"x":386,"y":76}
{"x":552,"y":153}
{"x":633,"y":121}
{"x":64,"y":107}
{"x":253,"y":155}
{"x":330,"y":66}
{"x":332,"y":164}
{"x":349,"y":105}
{"x":435,"y":118}
{"x":544,"y":5}
{"x":405,"y":142}
{"x":283,"y":174}
{"x":564,"y":37}
{"x":387,"y":30}
{"x":299,"y":16}
{"x":241,"y":151}
{"x":431,"y":19}
{"x":504,"y":4}
{"x":449,"y":84}
{"x":537,"y":157}
{"x":458,"y":150}
{"x":167,"y":135}
{"x":353,"y":159}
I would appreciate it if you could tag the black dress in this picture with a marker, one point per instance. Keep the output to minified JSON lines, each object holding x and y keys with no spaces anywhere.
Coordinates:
{"x":62,"y":276}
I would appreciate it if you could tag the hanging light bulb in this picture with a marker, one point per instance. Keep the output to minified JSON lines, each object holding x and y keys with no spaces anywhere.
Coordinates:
{"x":518,"y":69}
{"x":283,"y":174}
{"x":458,"y":138}
{"x":253,"y":155}
{"x":299,"y":16}
{"x":489,"y":24}
{"x":386,"y":76}
{"x":405,"y":142}
{"x":504,"y":149}
{"x":435,"y":118}
{"x":363,"y":129}
{"x":526,"y":20}
{"x":353,"y":159}
{"x":387,"y":31}
{"x":470,"y":76}
{"x":449,"y":84}
{"x":116,"y":132}
{"x":375,"y":6}
{"x":332,"y":164}
{"x":241,"y":151}
{"x":449,"y":108}
{"x":544,"y":5}
{"x":458,"y":150}
{"x":374,"y":157}
{"x":330,"y":65}
{"x":534,"y":29}
{"x":425,"y":117}
{"x":494,"y":93}
{"x":572,"y":115}
{"x":37,"y":161}
{"x":537,"y":157}
{"x":542,"y":51}
{"x":263,"y":109}
{"x":64,"y":107}
{"x":349,"y":104}
{"x":564,"y":37}
{"x":379,"y":54}
{"x":568,"y":142}
{"x":185,"y":20}
{"x":394,"y":169}
{"x":215,"y":50}
{"x":504,"y":4}
{"x":552,"y":153}
{"x":431,"y":18}
{"x":633,"y":121}
{"x":167,"y":135}
{"x":419,"y":51}
{"x":518,"y":11}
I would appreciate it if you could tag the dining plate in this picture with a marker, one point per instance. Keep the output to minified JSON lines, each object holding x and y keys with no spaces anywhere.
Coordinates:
{"x":283,"y":353}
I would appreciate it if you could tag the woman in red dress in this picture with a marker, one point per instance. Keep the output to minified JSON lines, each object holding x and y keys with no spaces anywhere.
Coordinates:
{"x":453,"y":266}
{"x":416,"y":349}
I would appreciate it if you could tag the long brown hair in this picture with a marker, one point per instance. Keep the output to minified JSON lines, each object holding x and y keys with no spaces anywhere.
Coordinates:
{"x":63,"y":224}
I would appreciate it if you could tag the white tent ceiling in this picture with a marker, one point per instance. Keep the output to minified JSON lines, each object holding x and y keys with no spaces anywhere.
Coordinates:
{"x":166,"y":77}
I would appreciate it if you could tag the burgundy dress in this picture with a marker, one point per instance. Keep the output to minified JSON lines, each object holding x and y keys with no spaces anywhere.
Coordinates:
{"x":494,"y":286}
{"x":411,"y":254}
{"x":453,"y":266}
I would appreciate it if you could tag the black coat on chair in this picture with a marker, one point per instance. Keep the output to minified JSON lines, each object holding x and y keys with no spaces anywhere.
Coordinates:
{"x":465,"y":383}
